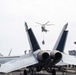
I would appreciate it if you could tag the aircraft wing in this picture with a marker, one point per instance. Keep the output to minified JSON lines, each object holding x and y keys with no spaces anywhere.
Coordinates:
{"x":16,"y":64}
{"x":69,"y":59}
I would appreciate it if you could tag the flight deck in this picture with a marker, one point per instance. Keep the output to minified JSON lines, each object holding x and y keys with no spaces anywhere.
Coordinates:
{"x":70,"y":71}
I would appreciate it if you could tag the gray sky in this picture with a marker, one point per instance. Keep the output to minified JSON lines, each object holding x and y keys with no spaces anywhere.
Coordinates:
{"x":13,"y":14}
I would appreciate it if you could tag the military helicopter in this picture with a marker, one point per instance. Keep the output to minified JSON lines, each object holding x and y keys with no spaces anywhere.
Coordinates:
{"x":43,"y":28}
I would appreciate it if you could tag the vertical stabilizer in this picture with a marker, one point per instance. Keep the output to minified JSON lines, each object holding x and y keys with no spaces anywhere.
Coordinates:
{"x":32,"y":39}
{"x":60,"y":43}
{"x":1,"y":54}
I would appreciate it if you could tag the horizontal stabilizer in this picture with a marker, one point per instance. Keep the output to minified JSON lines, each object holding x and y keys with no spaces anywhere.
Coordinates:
{"x":18,"y":63}
{"x":67,"y":60}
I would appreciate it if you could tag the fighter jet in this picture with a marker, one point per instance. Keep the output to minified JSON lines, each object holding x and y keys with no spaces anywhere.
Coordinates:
{"x":38,"y":59}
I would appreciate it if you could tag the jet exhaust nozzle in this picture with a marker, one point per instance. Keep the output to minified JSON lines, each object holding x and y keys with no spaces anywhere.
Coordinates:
{"x":43,"y":56}
{"x":56,"y":56}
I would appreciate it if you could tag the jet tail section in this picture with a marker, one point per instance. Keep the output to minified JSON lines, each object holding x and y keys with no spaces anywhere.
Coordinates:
{"x":32,"y":39}
{"x":1,"y":54}
{"x":61,"y":39}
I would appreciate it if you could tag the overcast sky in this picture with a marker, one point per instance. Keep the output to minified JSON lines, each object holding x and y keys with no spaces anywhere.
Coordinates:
{"x":13,"y":14}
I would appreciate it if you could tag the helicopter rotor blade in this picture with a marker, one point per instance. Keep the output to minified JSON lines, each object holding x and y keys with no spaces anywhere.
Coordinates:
{"x":39,"y":23}
{"x":49,"y":24}
{"x":46,"y":23}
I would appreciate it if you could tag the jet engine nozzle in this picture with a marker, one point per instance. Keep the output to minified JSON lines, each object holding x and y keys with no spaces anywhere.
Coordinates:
{"x":56,"y":56}
{"x":43,"y":56}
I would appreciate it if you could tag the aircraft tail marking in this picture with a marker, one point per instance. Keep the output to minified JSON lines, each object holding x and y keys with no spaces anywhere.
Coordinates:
{"x":32,"y":39}
{"x":60,"y":43}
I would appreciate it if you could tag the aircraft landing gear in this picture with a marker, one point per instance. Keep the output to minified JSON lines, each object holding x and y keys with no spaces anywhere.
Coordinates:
{"x":53,"y":72}
{"x":25,"y":73}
